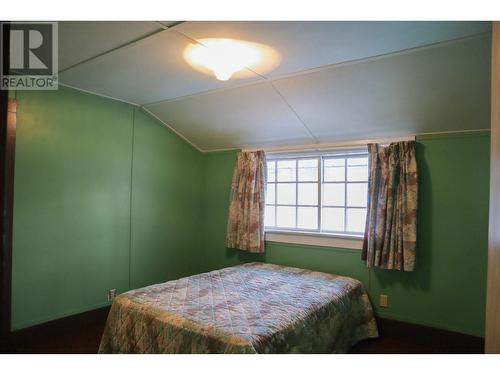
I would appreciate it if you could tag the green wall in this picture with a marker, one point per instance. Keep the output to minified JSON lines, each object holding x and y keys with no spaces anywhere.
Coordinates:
{"x":218,"y":170}
{"x":166,"y":207}
{"x":76,"y":234}
{"x":447,"y":290}
{"x":106,"y":197}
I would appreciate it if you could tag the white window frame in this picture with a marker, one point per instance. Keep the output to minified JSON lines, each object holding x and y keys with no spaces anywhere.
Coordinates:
{"x":317,"y":236}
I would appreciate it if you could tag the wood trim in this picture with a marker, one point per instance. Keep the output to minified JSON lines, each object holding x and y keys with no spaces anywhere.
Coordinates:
{"x":493,"y":292}
{"x":8,"y":109}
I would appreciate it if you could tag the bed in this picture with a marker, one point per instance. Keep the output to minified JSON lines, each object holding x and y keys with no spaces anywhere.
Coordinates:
{"x":250,"y":308}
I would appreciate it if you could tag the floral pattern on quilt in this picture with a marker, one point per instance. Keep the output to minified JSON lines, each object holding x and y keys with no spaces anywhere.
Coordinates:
{"x":251,"y":308}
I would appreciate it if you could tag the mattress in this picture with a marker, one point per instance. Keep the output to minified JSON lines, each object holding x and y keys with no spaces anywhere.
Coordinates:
{"x":250,"y":308}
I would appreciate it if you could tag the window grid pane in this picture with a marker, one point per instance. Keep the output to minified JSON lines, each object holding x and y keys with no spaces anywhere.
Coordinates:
{"x":333,"y":194}
{"x":286,"y":170}
{"x":307,"y":194}
{"x":307,"y":170}
{"x":333,"y":219}
{"x":307,"y":218}
{"x":340,"y":203}
{"x":334,"y":169}
{"x":270,"y":216}
{"x":271,"y":171}
{"x":286,"y":217}
{"x":356,"y":218}
{"x":286,"y":193}
{"x":271,"y":193}
{"x":357,"y":169}
{"x":356,"y":194}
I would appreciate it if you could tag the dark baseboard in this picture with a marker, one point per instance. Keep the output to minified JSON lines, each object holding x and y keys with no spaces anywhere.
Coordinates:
{"x":71,"y":334}
{"x":81,"y":333}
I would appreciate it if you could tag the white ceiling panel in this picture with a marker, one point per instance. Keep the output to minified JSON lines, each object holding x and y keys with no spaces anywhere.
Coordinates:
{"x":150,"y":70}
{"x":307,"y":45}
{"x":246,"y":116}
{"x":328,"y":76}
{"x":445,"y":88}
{"x":79,"y":41}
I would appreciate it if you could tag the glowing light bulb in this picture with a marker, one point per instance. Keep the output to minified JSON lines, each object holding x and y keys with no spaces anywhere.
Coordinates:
{"x":222,"y":74}
{"x":223,"y":57}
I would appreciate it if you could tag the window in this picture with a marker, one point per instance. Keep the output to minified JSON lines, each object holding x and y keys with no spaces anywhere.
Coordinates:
{"x":324,"y":193}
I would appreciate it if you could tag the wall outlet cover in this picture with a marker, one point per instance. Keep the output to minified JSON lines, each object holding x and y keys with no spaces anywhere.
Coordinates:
{"x":111,"y":295}
{"x":384,"y":300}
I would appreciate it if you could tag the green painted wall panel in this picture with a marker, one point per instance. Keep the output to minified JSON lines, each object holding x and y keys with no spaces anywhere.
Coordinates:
{"x":71,"y":203}
{"x":447,"y":290}
{"x":81,"y":160}
{"x":166,"y":207}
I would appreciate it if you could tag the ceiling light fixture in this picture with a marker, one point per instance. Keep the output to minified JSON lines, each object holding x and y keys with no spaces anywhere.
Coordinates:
{"x":226,"y":57}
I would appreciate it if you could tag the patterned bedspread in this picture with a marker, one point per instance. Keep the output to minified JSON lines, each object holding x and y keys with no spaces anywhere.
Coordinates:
{"x":252,"y":308}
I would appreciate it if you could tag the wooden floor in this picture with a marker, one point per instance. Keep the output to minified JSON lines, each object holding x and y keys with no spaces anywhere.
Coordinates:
{"x":82,"y":333}
{"x":404,"y":338}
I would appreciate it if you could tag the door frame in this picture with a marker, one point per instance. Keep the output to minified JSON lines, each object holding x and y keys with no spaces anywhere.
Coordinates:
{"x":492,"y":330}
{"x":7,"y":155}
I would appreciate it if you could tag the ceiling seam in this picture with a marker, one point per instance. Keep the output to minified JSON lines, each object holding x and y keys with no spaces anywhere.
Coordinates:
{"x":170,"y":26}
{"x":189,"y":38}
{"x":294,"y":112}
{"x":317,"y":69}
{"x":180,"y":135}
{"x":162,"y":28}
{"x":287,"y":103}
{"x":206,"y":92}
{"x":379,"y":56}
{"x":141,"y":107}
{"x":99,"y":94}
{"x":126,"y":44}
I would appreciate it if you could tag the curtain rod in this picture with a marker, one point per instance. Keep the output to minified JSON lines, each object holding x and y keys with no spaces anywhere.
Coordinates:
{"x":328,"y":146}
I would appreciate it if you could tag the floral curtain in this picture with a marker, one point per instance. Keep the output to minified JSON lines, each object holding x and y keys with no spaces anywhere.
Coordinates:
{"x":245,"y":226}
{"x":391,"y":222}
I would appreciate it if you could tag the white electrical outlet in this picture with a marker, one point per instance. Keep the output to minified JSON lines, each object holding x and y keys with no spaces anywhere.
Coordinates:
{"x":111,"y":295}
{"x":384,"y":300}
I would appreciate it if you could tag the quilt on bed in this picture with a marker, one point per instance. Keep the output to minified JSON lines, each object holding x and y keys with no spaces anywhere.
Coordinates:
{"x":252,"y":308}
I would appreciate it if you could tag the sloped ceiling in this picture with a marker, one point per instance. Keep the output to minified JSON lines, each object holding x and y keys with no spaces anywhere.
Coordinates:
{"x":336,"y":80}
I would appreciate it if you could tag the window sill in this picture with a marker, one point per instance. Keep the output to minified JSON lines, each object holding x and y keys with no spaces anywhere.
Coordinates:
{"x":316,"y":239}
